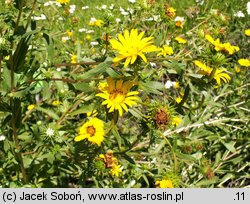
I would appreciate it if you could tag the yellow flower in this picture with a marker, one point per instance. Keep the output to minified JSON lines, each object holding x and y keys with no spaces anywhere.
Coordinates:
{"x":237,"y":69}
{"x":88,"y":37}
{"x":166,"y":50}
{"x":69,"y":33}
{"x":176,"y":121}
{"x":176,"y":85}
{"x":95,"y":22}
{"x":111,"y":162}
{"x":244,"y":62}
{"x":247,"y":32}
{"x":131,"y":45}
{"x":164,"y":184}
{"x":74,"y":59}
{"x":117,"y":95}
{"x":170,"y":12}
{"x":178,"y":99}
{"x":93,"y":130}
{"x":56,"y":103}
{"x":219,"y":74}
{"x":31,"y":106}
{"x":63,"y":1}
{"x":116,"y":169}
{"x":225,"y":47}
{"x":179,"y":21}
{"x":181,"y":40}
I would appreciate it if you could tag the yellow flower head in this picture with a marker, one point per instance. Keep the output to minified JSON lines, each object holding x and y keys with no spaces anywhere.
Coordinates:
{"x":117,"y":95}
{"x":131,"y":45}
{"x":63,"y":1}
{"x":93,"y":130}
{"x":247,"y":32}
{"x":164,"y":184}
{"x":116,"y":169}
{"x":176,"y":121}
{"x":219,"y":74}
{"x":244,"y":62}
{"x":180,"y":40}
{"x":225,"y":47}
{"x":170,"y":12}
{"x":31,"y":106}
{"x":74,"y":59}
{"x":56,"y":103}
{"x":166,"y":50}
{"x":96,"y":22}
{"x":111,"y":162}
{"x":178,"y":99}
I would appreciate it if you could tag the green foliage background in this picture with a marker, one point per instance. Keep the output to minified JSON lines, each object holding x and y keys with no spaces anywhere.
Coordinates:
{"x":210,"y":148}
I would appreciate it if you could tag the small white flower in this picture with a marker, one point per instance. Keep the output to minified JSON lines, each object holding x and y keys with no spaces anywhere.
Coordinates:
{"x":179,"y":18}
{"x":111,"y":7}
{"x":38,"y":18}
{"x":239,"y":14}
{"x":170,"y":84}
{"x":104,"y":7}
{"x":2,"y":137}
{"x":85,"y":7}
{"x":125,"y":13}
{"x":118,"y":20}
{"x":248,"y":8}
{"x":152,"y":64}
{"x":65,"y":38}
{"x":82,"y":30}
{"x":132,"y":1}
{"x":72,"y":8}
{"x":90,"y":31}
{"x":94,"y":43}
{"x":50,"y":132}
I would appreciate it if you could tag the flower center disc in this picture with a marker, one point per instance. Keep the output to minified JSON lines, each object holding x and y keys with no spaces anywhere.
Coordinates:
{"x":91,"y":130}
{"x":117,"y":97}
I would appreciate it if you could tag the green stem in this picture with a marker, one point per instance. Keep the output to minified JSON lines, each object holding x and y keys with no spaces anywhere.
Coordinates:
{"x":12,"y":104}
{"x":30,"y":15}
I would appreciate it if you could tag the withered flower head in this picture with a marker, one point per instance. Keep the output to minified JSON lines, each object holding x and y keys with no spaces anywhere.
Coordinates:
{"x":162,"y":118}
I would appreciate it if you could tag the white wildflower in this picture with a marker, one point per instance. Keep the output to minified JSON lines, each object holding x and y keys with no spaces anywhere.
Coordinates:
{"x":2,"y":137}
{"x":239,"y":14}
{"x":94,"y":43}
{"x":72,"y":8}
{"x":85,"y":7}
{"x":50,"y":132}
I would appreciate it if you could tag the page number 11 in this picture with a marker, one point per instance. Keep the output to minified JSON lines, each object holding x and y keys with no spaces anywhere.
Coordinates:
{"x":240,"y":196}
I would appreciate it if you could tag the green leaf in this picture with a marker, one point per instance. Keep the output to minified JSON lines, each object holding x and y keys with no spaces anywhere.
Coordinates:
{"x":152,"y":87}
{"x":84,"y":87}
{"x":83,"y":109}
{"x":230,"y":146}
{"x":206,"y":182}
{"x":113,"y":73}
{"x":5,"y":107}
{"x":50,"y":113}
{"x":117,"y":136}
{"x":95,"y":71}
{"x":128,"y":158}
{"x":185,"y":156}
